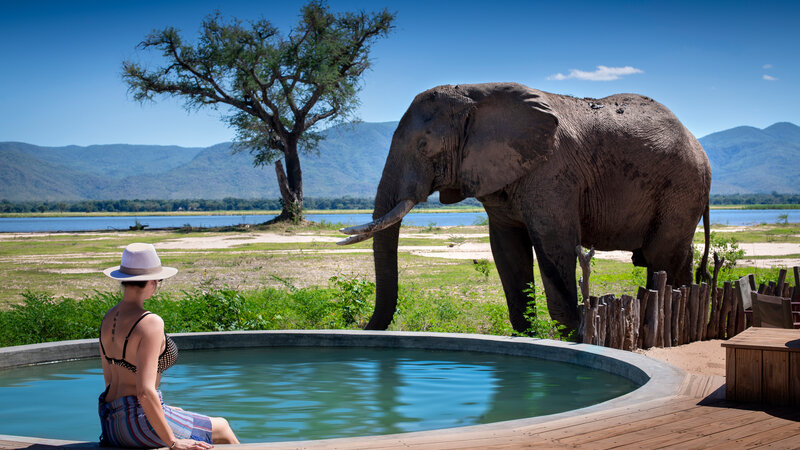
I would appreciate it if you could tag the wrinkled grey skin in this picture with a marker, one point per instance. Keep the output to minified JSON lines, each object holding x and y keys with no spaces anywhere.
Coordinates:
{"x":552,"y":172}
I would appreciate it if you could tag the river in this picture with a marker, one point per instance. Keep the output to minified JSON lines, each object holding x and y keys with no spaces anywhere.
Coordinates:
{"x":88,"y":223}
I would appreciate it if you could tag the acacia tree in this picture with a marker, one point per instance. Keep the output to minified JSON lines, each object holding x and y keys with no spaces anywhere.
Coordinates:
{"x":276,"y":90}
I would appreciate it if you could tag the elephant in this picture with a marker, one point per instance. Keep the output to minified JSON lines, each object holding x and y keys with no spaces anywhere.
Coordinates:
{"x":552,"y":172}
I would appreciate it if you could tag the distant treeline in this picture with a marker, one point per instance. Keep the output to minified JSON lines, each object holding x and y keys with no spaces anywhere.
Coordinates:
{"x":773,"y":199}
{"x":225,"y":204}
{"x":264,"y":204}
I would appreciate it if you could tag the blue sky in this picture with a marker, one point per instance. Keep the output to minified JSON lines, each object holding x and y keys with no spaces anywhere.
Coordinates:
{"x":716,"y":65}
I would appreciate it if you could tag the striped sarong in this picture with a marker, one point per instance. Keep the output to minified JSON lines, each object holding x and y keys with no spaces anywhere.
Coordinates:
{"x":124,"y":424}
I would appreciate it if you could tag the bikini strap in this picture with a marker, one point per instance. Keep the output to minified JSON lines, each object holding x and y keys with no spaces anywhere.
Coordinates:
{"x":125,"y":346}
{"x":101,"y":342}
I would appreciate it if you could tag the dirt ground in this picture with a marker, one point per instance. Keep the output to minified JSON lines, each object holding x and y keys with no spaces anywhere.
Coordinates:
{"x":702,"y":357}
{"x":464,"y":250}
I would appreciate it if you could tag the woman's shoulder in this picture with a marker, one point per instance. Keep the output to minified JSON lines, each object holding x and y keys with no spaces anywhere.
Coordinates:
{"x":151,"y":322}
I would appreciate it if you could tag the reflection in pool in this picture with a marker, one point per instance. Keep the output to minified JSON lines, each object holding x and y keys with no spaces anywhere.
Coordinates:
{"x":280,"y":394}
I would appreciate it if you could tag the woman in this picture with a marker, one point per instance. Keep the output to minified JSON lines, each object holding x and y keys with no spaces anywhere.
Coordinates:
{"x":134,"y":352}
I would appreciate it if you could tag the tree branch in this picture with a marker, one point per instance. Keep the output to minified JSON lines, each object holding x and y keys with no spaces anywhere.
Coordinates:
{"x":222,"y":96}
{"x":319,"y":117}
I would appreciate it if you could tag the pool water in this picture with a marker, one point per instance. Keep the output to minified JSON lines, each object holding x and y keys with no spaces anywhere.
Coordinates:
{"x":281,"y":394}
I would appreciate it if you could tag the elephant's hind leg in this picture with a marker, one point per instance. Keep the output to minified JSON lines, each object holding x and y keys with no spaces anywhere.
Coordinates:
{"x":513,"y":255}
{"x":673,"y":256}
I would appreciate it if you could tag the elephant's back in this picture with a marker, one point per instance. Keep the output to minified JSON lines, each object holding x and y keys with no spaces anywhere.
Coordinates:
{"x":638,"y":165}
{"x":629,"y":126}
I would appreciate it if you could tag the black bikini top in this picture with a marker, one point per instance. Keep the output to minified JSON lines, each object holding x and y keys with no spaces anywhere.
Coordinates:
{"x":166,"y":359}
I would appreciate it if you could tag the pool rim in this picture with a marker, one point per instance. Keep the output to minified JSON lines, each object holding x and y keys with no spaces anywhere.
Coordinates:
{"x":657,"y":379}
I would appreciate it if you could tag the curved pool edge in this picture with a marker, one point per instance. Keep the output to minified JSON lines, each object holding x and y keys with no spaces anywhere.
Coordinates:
{"x":657,"y":379}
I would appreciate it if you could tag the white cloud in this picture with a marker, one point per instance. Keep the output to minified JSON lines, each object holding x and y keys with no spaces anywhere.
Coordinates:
{"x":769,"y":78}
{"x":766,"y":66}
{"x":603,"y":73}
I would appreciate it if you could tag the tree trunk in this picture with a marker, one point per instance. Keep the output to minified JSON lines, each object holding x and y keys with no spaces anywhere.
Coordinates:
{"x":290,"y":183}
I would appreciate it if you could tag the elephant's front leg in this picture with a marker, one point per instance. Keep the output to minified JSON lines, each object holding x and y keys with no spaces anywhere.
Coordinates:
{"x":511,"y":248}
{"x":554,"y":243}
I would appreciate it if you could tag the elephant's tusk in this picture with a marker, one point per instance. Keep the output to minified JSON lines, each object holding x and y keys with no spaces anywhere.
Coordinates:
{"x":389,"y":219}
{"x":355,"y":239}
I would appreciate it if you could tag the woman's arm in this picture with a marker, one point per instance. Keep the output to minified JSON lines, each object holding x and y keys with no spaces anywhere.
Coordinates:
{"x":152,"y":329}
{"x":152,"y":335}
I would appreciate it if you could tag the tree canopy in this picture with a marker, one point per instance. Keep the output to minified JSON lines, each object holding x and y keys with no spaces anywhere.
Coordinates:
{"x":277,"y":89}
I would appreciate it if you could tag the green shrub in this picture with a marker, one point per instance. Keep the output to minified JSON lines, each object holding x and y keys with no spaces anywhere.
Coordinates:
{"x":497,"y":319}
{"x":483,"y":267}
{"x":42,"y":318}
{"x":542,"y":326}
{"x":726,"y":246}
{"x":353,"y":298}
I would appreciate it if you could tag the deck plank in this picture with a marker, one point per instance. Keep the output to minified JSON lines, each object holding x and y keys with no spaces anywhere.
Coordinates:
{"x":591,"y":423}
{"x":655,"y":419}
{"x":762,"y":437}
{"x":710,"y":433}
{"x":648,"y":433}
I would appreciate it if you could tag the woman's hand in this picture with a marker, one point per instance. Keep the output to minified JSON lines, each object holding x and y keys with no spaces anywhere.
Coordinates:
{"x":190,"y":444}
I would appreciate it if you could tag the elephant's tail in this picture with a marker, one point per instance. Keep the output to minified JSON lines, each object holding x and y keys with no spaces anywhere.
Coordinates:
{"x":702,"y":271}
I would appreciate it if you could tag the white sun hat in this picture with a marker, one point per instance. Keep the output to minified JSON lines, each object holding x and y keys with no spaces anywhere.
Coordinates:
{"x":140,"y":263}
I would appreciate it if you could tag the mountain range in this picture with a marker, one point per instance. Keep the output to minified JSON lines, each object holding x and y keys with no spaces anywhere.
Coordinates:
{"x":748,"y":160}
{"x":349,"y":163}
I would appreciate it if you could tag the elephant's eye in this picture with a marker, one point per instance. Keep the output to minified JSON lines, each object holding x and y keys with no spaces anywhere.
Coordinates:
{"x":422,"y":145}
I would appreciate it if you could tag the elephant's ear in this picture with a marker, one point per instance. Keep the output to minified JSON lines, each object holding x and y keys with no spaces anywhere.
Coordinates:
{"x":507,"y":132}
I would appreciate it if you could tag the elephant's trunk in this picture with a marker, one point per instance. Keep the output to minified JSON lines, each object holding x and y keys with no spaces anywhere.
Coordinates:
{"x":385,"y":229}
{"x":404,"y":183}
{"x":384,"y":246}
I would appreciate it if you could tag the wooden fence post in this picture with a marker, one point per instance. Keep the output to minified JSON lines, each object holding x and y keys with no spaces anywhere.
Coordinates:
{"x":676,"y":316}
{"x":637,"y":324}
{"x":641,"y":296}
{"x":668,"y":316}
{"x":684,"y":322}
{"x":620,"y":311}
{"x":713,"y":322}
{"x":731,"y":328}
{"x":702,"y":322}
{"x":796,"y":271}
{"x":694,"y":302}
{"x":725,"y":310}
{"x":590,"y":317}
{"x":627,"y":322}
{"x":781,"y":282}
{"x":608,"y":300}
{"x":601,"y":325}
{"x":596,"y":326}
{"x":615,"y":322}
{"x":660,"y":283}
{"x":651,"y":319}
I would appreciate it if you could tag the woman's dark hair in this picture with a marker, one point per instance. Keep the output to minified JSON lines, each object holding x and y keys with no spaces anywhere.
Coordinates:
{"x":139,"y":284}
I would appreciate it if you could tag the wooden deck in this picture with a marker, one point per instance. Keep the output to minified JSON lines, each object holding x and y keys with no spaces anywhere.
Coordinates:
{"x":697,"y":417}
